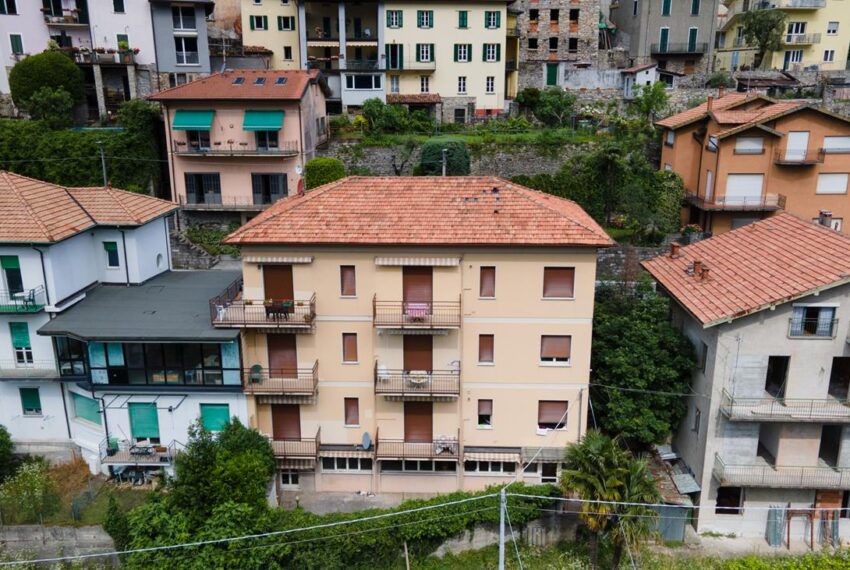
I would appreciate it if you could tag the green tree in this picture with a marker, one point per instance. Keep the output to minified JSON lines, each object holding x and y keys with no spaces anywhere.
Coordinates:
{"x":8,"y":461}
{"x":763,"y":29}
{"x":457,"y":158}
{"x":640,"y":364}
{"x":47,"y":69}
{"x":30,"y":494}
{"x":649,"y":100}
{"x":554,"y":107}
{"x":633,"y":520}
{"x":115,"y":523}
{"x":322,"y":170}
{"x":54,"y":107}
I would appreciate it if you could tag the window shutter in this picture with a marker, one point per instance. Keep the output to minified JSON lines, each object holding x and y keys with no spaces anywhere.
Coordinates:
{"x":10,"y":262}
{"x":349,"y":347}
{"x":30,"y":400}
{"x":487,"y":286}
{"x":352,"y":411}
{"x":498,"y":52}
{"x":418,"y":52}
{"x":20,"y":335}
{"x":257,"y":187}
{"x":430,"y":18}
{"x":456,"y":50}
{"x":498,"y":19}
{"x":389,"y":18}
{"x":432,"y":54}
{"x":144,"y":423}
{"x":251,"y":21}
{"x":400,"y":18}
{"x":280,"y":23}
{"x":485,"y":348}
{"x":486,"y":20}
{"x":468,"y":52}
{"x":559,"y":282}
{"x":797,"y":321}
{"x":265,"y":22}
{"x":420,"y":15}
{"x":387,"y":55}
{"x":551,"y":411}
{"x":86,"y":408}
{"x":555,"y":346}
{"x":485,"y":407}
{"x":17,"y":44}
{"x":214,"y":416}
{"x":484,"y":53}
{"x":463,"y":19}
{"x":348,"y":282}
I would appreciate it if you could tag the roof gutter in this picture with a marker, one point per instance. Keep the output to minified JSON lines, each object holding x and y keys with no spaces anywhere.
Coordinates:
{"x":126,"y":264}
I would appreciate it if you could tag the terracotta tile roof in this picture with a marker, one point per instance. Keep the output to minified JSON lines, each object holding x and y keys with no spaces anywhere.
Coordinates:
{"x":471,"y":210}
{"x":756,"y":115}
{"x":701,"y":111}
{"x":420,"y":98}
{"x":639,"y":68}
{"x":34,"y":211}
{"x":764,"y":263}
{"x":221,"y":86}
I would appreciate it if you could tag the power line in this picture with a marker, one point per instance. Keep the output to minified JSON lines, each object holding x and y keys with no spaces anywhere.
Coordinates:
{"x":644,"y":391}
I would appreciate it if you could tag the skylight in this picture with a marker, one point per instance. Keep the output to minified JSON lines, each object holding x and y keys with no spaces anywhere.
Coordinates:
{"x":260,"y":81}
{"x":280,"y":81}
{"x":239,"y":81}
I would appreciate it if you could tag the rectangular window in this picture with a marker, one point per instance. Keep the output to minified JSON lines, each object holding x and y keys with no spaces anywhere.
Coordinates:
{"x":553,"y":43}
{"x":183,"y":17}
{"x":555,"y":348}
{"x":749,"y":145}
{"x":352,"y":411}
{"x":635,"y":8}
{"x":8,"y":7}
{"x":559,"y":282}
{"x":836,"y":145}
{"x":395,"y":84}
{"x":485,"y":413}
{"x":259,"y":22}
{"x":490,"y":84}
{"x":198,"y":140}
{"x":287,"y":53}
{"x":348,"y":281}
{"x":487,"y":282}
{"x":665,"y":7}
{"x":267,"y":140}
{"x":349,"y":347}
{"x":808,"y":321}
{"x":489,"y":467}
{"x":492,"y":52}
{"x":832,"y":183}
{"x":695,"y":7}
{"x":828,"y":55}
{"x":394,"y":18}
{"x":670,"y":138}
{"x":533,"y":15}
{"x":86,"y":409}
{"x":286,"y":23}
{"x":730,"y":501}
{"x":702,"y":356}
{"x":461,"y":85}
{"x":492,"y":20}
{"x":343,"y":464}
{"x":289,"y":479}
{"x":554,"y":15}
{"x":552,"y":414}
{"x":697,"y":419}
{"x":112,"y":259}
{"x":692,"y":39}
{"x":463,"y":19}
{"x":463,"y":52}
{"x":532,"y":43}
{"x":486,"y":348}
{"x":17,"y":42}
{"x":215,"y":416}
{"x":118,"y":6}
{"x":30,"y":401}
{"x":425,"y":52}
{"x":268,"y":188}
{"x":203,"y":187}
{"x":122,"y":41}
{"x":572,"y":45}
{"x":186,"y":51}
{"x":425,"y":18}
{"x":363,"y":82}
{"x":832,"y":28}
{"x":424,"y":84}
{"x":12,"y":277}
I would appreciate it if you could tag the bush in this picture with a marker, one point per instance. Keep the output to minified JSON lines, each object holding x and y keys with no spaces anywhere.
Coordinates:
{"x":720,"y":79}
{"x":54,"y":107}
{"x":457,"y":158}
{"x":48,"y":69}
{"x":29,"y":495}
{"x":115,"y":523}
{"x":323,"y":170}
{"x":209,"y":238}
{"x":8,"y":463}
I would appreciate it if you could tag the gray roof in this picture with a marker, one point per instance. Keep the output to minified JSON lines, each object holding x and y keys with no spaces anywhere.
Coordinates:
{"x":173,"y":306}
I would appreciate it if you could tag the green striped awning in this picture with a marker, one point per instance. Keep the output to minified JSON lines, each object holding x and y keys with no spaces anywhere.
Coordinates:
{"x":192,"y":120}
{"x":263,"y":120}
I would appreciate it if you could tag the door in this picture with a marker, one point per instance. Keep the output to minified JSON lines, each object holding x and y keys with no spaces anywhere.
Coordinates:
{"x":283,"y":358}
{"x":744,"y":188}
{"x":839,"y":379}
{"x":418,"y":352}
{"x":144,"y":423}
{"x":286,"y":421}
{"x":709,"y":186}
{"x":277,"y":286}
{"x":551,"y":74}
{"x":418,"y":422}
{"x":798,"y":142}
{"x":417,"y":283}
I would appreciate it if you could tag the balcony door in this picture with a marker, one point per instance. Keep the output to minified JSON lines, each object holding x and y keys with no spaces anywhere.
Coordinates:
{"x":798,"y":142}
{"x":283,"y":357}
{"x":286,"y":421}
{"x":418,"y":422}
{"x":278,"y":289}
{"x":418,"y":352}
{"x":417,"y":290}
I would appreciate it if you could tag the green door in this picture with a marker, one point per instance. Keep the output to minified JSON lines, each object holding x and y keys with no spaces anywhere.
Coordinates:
{"x":551,"y":74}
{"x":144,"y":423}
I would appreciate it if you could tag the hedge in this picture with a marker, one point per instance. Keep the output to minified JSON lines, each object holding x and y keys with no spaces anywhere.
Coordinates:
{"x":323,"y":170}
{"x":457,"y":157}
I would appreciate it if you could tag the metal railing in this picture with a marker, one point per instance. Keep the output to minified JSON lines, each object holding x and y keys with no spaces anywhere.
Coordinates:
{"x":417,"y":383}
{"x":14,"y":370}
{"x":785,"y":476}
{"x":67,"y":17}
{"x":679,"y":48}
{"x":236,"y":148}
{"x":801,"y":39}
{"x":765,"y":202}
{"x":439,"y":448}
{"x":227,"y":309}
{"x":215,"y":201}
{"x":811,"y":328}
{"x":413,"y":65}
{"x":133,"y":452}
{"x":798,"y":157}
{"x":301,"y":448}
{"x":799,"y":4}
{"x":770,"y":409}
{"x":404,"y":314}
{"x":26,"y":301}
{"x":292,"y":382}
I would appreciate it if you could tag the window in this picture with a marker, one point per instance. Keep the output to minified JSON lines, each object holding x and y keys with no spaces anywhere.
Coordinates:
{"x":670,"y":138}
{"x":832,"y":28}
{"x":203,"y":187}
{"x":552,"y":414}
{"x":424,"y":84}
{"x":459,"y":115}
{"x":153,"y":363}
{"x":533,"y":15}
{"x":266,"y":140}
{"x":665,"y":7}
{"x":558,"y":282}
{"x":572,"y":45}
{"x":492,"y":52}
{"x":175,"y":79}
{"x":532,"y":43}
{"x":71,"y":356}
{"x":635,"y":8}
{"x":349,"y":347}
{"x":118,"y":6}
{"x":342,"y":464}
{"x":697,"y":419}
{"x":30,"y":401}
{"x":122,"y":41}
{"x":776,"y":376}
{"x":712,"y":143}
{"x":347,"y":281}
{"x":462,"y":52}
{"x":186,"y":50}
{"x":485,"y":348}
{"x":17,"y":42}
{"x":199,"y":140}
{"x":463,"y":19}
{"x":693,"y":33}
{"x":268,"y":188}
{"x":702,"y":356}
{"x":490,"y":467}
{"x":394,"y":18}
{"x":183,"y":17}
{"x":836,"y":145}
{"x":695,"y":7}
{"x":363,"y":82}
{"x":490,"y":84}
{"x":260,"y":81}
{"x":554,"y":15}
{"x":425,"y":18}
{"x":287,"y":54}
{"x":485,"y":413}
{"x":286,"y":23}
{"x":555,"y":348}
{"x":260,"y":22}
{"x":395,"y":86}
{"x":352,"y":411}
{"x":574,"y":15}
{"x":828,"y":55}
{"x":85,"y":408}
{"x":112,"y":259}
{"x":13,"y":280}
{"x":492,"y":20}
{"x":8,"y":7}
{"x":832,"y":183}
{"x":423,"y":465}
{"x":425,"y":52}
{"x":553,"y":43}
{"x":796,"y":28}
{"x":812,"y":321}
{"x":289,"y":479}
{"x":215,"y":416}
{"x":461,"y":85}
{"x":487,"y":282}
{"x":749,"y":145}
{"x":730,"y":501}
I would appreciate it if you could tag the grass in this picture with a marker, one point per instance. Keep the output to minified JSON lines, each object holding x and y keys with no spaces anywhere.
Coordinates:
{"x":210,"y":238}
{"x":620,"y":234}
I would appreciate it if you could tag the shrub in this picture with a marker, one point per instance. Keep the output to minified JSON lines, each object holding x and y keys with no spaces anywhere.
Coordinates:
{"x":323,"y":170}
{"x":115,"y":523}
{"x":720,"y":79}
{"x":457,"y":158}
{"x":210,"y":237}
{"x":54,"y":107}
{"x":8,"y":464}
{"x":30,"y":494}
{"x":48,"y":69}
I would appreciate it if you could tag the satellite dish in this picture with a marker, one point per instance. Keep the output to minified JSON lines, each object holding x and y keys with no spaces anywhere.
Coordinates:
{"x":366,"y":442}
{"x":298,"y":169}
{"x":256,"y":374}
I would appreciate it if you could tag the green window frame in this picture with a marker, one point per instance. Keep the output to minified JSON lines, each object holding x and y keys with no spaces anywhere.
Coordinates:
{"x":425,"y":19}
{"x":666,"y":6}
{"x":395,"y":19}
{"x":87,"y":409}
{"x":492,"y":20}
{"x":463,"y":19}
{"x":30,"y":401}
{"x":214,"y":416}
{"x":17,"y":42}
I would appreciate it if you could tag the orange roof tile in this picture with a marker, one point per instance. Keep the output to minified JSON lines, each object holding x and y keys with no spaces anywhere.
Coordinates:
{"x":221,"y":86}
{"x":751,"y":268}
{"x":34,"y":211}
{"x":700,"y":111}
{"x":756,"y":115}
{"x":471,"y":210}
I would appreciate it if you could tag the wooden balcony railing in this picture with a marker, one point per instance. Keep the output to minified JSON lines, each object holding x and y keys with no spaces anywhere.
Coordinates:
{"x":431,"y":383}
{"x":798,"y":157}
{"x":26,"y":301}
{"x":781,"y":476}
{"x":301,"y":448}
{"x":138,"y":453}
{"x":235,"y":148}
{"x":229,"y":310}
{"x":439,"y":448}
{"x":403,"y":314}
{"x":293,"y":382}
{"x":770,"y":409}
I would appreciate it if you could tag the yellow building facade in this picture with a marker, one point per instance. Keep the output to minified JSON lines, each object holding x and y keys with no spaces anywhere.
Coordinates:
{"x":273,"y":24}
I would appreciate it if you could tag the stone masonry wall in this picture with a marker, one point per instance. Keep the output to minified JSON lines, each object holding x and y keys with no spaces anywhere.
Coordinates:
{"x":40,"y":542}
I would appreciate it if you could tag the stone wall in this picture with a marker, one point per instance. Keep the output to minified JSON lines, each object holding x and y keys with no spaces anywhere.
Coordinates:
{"x":187,"y":255}
{"x":43,"y":542}
{"x":623,"y":261}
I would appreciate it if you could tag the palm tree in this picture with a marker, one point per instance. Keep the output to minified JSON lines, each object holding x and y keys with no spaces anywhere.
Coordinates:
{"x":634,"y":521}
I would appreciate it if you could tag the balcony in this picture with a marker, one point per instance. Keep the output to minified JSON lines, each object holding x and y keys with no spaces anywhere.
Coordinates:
{"x":763,"y":474}
{"x":763,"y":203}
{"x":116,"y":58}
{"x":300,"y":448}
{"x":413,"y":65}
{"x":230,"y":310}
{"x":234,"y":148}
{"x":511,"y":65}
{"x":801,"y":39}
{"x":439,"y":448}
{"x":799,"y":4}
{"x":407,"y":315}
{"x":770,"y":409}
{"x":67,"y":19}
{"x":217,"y":202}
{"x":812,"y":328}
{"x":26,"y":301}
{"x":35,"y":370}
{"x":138,"y":453}
{"x":429,"y":384}
{"x":682,"y":48}
{"x":295,"y":382}
{"x":798,"y":157}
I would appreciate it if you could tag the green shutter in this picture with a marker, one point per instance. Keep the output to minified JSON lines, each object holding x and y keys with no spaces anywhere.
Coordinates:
{"x":486,"y":19}
{"x":456,"y":48}
{"x":280,"y":23}
{"x":420,"y":14}
{"x":389,"y":16}
{"x":430,"y":18}
{"x":110,"y":246}
{"x":86,"y":408}
{"x":401,"y":57}
{"x":17,"y":44}
{"x":30,"y":400}
{"x":144,"y":423}
{"x":498,"y":52}
{"x":251,"y":21}
{"x":418,"y":52}
{"x":498,"y":19}
{"x":214,"y":416}
{"x":463,"y":19}
{"x":10,"y":262}
{"x":265,"y":22}
{"x":484,"y":52}
{"x":433,"y":53}
{"x":468,"y":52}
{"x":20,"y":335}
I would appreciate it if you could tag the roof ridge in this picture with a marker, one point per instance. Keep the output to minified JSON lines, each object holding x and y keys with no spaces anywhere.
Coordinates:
{"x":115,"y":197}
{"x":30,"y":210}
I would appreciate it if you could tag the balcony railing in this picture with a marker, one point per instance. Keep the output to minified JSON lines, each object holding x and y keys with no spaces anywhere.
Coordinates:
{"x":300,"y":448}
{"x":763,"y":203}
{"x":430,"y":383}
{"x":438,"y":448}
{"x":229,"y":310}
{"x":26,"y":301}
{"x":770,"y":409}
{"x":802,"y":39}
{"x":413,"y":65}
{"x":799,"y":4}
{"x":766,"y":475}
{"x":234,"y":148}
{"x":66,"y":18}
{"x":215,"y":201}
{"x":404,"y":314}
{"x":798,"y":157}
{"x":14,"y":370}
{"x":294,"y":382}
{"x":812,"y":328}
{"x":138,"y":453}
{"x":679,"y":48}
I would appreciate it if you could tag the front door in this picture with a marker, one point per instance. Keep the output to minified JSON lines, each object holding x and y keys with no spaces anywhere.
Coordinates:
{"x":286,"y":421}
{"x":418,"y":352}
{"x":283,"y":357}
{"x":418,"y":423}
{"x":278,"y":287}
{"x":798,"y":142}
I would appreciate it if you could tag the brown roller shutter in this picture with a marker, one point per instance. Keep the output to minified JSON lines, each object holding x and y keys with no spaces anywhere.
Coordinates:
{"x":283,"y":357}
{"x":418,"y":423}
{"x":418,"y":352}
{"x":551,"y":412}
{"x":277,"y":282}
{"x":488,"y":282}
{"x":558,"y":281}
{"x":417,"y":284}
{"x":349,"y":347}
{"x":286,"y":421}
{"x":555,"y":348}
{"x":485,"y":348}
{"x":348,"y":281}
{"x":352,"y":412}
{"x":485,"y":407}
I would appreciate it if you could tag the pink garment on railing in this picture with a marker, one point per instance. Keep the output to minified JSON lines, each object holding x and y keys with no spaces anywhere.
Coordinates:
{"x":419,"y":310}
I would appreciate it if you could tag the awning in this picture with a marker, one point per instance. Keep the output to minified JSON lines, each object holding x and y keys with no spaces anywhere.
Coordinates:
{"x":296,"y":464}
{"x":192,"y":120}
{"x":491,"y":456}
{"x":277,"y":259}
{"x":421,"y":261}
{"x":271,"y":120}
{"x":546,"y":454}
{"x":348,"y":453}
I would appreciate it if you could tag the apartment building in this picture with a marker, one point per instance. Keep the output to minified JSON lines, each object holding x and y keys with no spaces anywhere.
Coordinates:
{"x":744,"y":157}
{"x":413,"y":334}
{"x":555,"y":37}
{"x":678,"y":36}
{"x":816,"y":38}
{"x":238,"y":140}
{"x":273,"y":24}
{"x":181,"y":39}
{"x":766,"y":307}
{"x":57,"y":243}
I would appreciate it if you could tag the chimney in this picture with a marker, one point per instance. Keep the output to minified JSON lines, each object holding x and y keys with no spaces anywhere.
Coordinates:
{"x":674,"y":249}
{"x":721,"y":91}
{"x":704,"y":275}
{"x":825,"y":218}
{"x":697,"y":267}
{"x":709,"y":102}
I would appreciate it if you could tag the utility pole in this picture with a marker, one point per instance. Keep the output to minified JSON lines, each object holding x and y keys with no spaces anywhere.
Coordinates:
{"x":445,"y":152}
{"x":503,"y":506}
{"x":102,"y":163}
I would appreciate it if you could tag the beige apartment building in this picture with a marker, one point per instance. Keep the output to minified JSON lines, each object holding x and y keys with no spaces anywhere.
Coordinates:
{"x":416,"y":335}
{"x":272,"y":24}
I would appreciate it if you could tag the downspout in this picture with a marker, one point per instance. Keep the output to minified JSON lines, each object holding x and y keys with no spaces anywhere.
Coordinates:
{"x":169,"y":140}
{"x":43,"y":274}
{"x":301,"y":135}
{"x":126,"y":264}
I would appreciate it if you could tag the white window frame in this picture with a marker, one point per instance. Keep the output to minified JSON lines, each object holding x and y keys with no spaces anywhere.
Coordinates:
{"x":344,"y":464}
{"x":288,"y":20}
{"x":492,"y":20}
{"x":670,"y":140}
{"x":829,"y":188}
{"x":490,"y":85}
{"x":425,"y":55}
{"x":427,"y":22}
{"x":796,"y":55}
{"x":499,"y":465}
{"x":181,"y":53}
{"x":463,"y":53}
{"x":796,"y":28}
{"x":461,"y":85}
{"x":424,"y":84}
{"x":844,"y":147}
{"x":395,"y":84}
{"x":749,"y":145}
{"x":286,"y":480}
{"x":182,"y":27}
{"x":259,"y":23}
{"x":832,"y":30}
{"x":23,"y":48}
{"x":490,"y":50}
{"x":829,"y":55}
{"x":394,"y":19}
